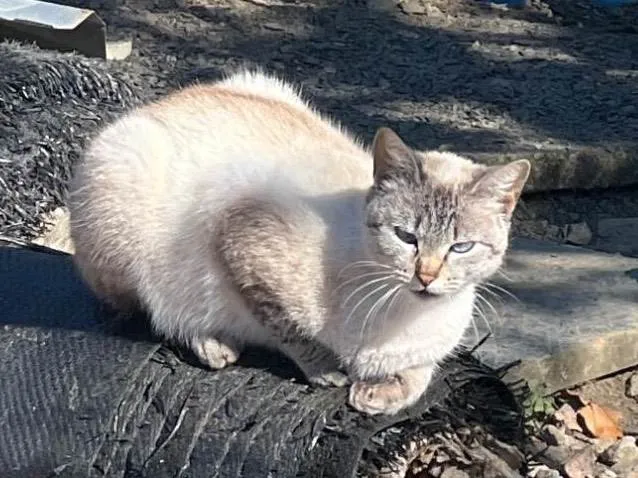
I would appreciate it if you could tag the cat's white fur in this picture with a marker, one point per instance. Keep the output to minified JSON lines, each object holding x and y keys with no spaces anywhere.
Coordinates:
{"x":145,"y":199}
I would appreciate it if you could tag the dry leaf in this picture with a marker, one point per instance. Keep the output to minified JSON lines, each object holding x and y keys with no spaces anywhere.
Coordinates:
{"x":600,"y":422}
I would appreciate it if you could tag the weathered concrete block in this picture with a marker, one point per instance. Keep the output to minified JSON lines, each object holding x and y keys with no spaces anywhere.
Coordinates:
{"x":575,"y":317}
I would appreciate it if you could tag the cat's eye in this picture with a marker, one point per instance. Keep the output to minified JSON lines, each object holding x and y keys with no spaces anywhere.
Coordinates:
{"x":462,"y":247}
{"x":406,"y":236}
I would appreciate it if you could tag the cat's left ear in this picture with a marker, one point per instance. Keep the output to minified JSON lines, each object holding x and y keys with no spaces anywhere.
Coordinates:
{"x":504,"y":183}
{"x":392,"y":155}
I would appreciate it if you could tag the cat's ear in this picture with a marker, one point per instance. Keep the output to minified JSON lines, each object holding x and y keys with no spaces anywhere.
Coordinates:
{"x":391,"y":155}
{"x":503,"y":183}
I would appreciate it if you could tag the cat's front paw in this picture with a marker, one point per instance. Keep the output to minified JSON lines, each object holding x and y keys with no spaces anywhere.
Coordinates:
{"x":391,"y":395}
{"x":329,"y":379}
{"x":215,"y":353}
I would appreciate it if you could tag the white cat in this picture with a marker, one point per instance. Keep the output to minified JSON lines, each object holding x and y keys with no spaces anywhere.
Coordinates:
{"x":235,"y":214}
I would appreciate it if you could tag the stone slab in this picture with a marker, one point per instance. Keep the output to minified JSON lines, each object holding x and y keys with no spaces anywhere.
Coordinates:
{"x":575,"y":317}
{"x":574,"y":168}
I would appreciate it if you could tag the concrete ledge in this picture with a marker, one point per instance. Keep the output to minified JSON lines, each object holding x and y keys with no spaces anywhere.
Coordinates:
{"x":583,"y":168}
{"x":576,"y":317}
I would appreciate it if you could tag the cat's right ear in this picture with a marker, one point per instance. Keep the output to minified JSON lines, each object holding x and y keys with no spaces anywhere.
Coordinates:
{"x":392,"y":155}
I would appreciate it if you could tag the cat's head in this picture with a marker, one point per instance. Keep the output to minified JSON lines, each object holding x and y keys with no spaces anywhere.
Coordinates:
{"x":440,"y":221}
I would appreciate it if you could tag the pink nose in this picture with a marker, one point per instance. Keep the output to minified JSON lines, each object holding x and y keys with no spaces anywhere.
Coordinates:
{"x":426,"y":279}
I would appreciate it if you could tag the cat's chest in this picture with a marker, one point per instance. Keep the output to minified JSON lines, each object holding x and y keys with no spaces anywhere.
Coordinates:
{"x":424,"y":339}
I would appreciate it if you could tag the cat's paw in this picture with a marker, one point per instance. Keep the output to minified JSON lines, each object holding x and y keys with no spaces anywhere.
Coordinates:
{"x":387,"y":397}
{"x":215,"y":353}
{"x":329,"y":379}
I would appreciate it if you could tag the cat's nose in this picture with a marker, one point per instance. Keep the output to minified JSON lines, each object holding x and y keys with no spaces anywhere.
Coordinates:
{"x":426,"y":279}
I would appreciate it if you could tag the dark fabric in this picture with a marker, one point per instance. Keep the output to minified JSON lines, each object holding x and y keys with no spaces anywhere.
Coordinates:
{"x":83,"y":394}
{"x":50,"y":104}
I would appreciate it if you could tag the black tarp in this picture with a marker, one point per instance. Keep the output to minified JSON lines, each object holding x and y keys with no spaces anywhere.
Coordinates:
{"x":84,"y":393}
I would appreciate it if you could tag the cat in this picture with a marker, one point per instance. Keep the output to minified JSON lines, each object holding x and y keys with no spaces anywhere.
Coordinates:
{"x":235,"y":214}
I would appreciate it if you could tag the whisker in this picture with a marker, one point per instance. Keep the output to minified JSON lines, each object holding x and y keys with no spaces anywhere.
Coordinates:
{"x":354,"y":279}
{"x":504,"y":275}
{"x":382,"y":287}
{"x":363,"y":287}
{"x":475,"y":328}
{"x":377,"y":305}
{"x":483,"y":288}
{"x":481,"y":314}
{"x":359,"y":264}
{"x":488,"y":304}
{"x":397,"y":293}
{"x":502,"y":289}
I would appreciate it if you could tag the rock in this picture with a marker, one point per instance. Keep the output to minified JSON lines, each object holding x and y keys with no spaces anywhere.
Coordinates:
{"x":600,"y":445}
{"x":631,"y":387}
{"x":618,"y":235}
{"x":555,"y":456}
{"x":604,"y":472}
{"x":579,"y":234}
{"x":553,"y":435}
{"x":581,"y":465}
{"x":508,"y":453}
{"x":493,"y":465}
{"x":435,"y":471}
{"x":567,"y":416}
{"x":622,"y":456}
{"x":543,"y":471}
{"x":454,"y":472}
{"x":413,"y":7}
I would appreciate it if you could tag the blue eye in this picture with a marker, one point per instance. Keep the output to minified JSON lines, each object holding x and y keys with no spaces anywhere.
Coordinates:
{"x":405,"y":236}
{"x":462,"y":247}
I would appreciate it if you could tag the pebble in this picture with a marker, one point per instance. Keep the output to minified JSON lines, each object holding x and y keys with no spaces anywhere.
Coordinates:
{"x":454,"y":472}
{"x":554,"y":456}
{"x":567,"y":416}
{"x":508,"y":453}
{"x":581,"y":465}
{"x":622,"y":456}
{"x":413,"y":7}
{"x":552,"y":435}
{"x":601,"y":445}
{"x":606,"y":473}
{"x":579,"y":234}
{"x":631,"y":389}
{"x":543,"y":471}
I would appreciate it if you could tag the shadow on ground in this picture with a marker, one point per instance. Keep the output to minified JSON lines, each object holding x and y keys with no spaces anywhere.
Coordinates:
{"x":493,"y":81}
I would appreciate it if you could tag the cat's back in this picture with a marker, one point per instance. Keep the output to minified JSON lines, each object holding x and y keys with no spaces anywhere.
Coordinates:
{"x":247,"y":129}
{"x":165,"y":168}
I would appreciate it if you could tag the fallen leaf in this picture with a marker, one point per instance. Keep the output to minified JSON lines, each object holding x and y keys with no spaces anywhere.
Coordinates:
{"x":600,"y":422}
